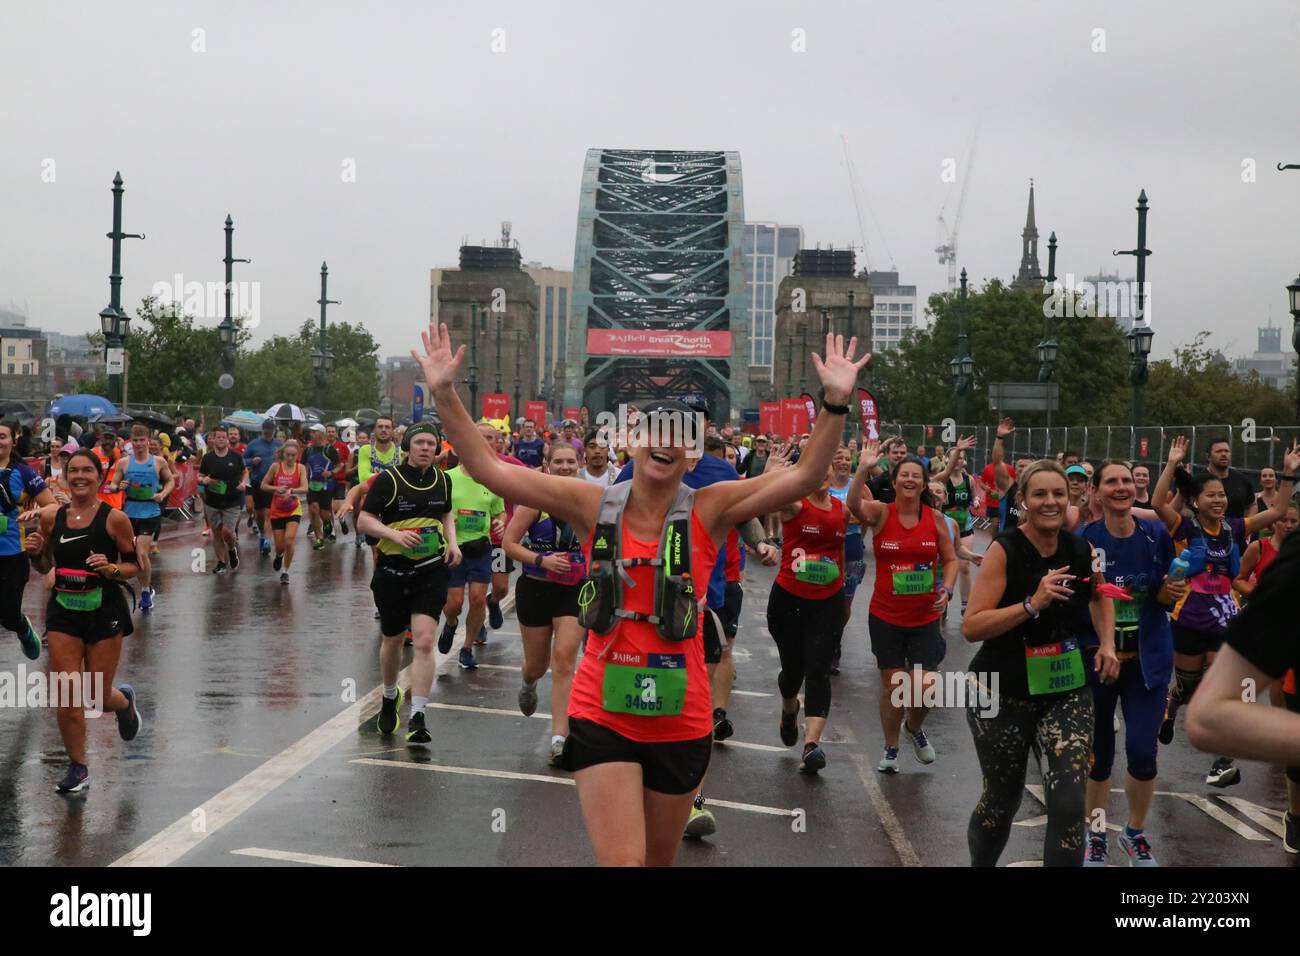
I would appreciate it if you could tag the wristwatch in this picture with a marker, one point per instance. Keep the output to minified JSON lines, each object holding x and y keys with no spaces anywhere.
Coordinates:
{"x":1291,"y":478}
{"x":1029,"y":609}
{"x":537,"y":561}
{"x":835,"y":409}
{"x":945,"y":590}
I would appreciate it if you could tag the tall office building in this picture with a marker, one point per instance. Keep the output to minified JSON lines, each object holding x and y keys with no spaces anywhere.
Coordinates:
{"x":893,"y":312}
{"x":1275,"y":365}
{"x":554,"y":298}
{"x":769,"y":251}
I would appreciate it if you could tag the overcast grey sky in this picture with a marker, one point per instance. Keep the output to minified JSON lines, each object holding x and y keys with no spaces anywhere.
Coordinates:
{"x":449,"y":138}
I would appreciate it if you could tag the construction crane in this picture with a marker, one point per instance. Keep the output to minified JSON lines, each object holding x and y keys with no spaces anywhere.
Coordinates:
{"x":947,"y":248}
{"x":858,"y":201}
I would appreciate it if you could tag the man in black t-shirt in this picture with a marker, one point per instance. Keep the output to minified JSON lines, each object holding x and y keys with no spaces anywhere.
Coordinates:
{"x":223,"y":476}
{"x":882,"y":486}
{"x":408,"y":509}
{"x":1240,"y":492}
{"x":1261,"y":645}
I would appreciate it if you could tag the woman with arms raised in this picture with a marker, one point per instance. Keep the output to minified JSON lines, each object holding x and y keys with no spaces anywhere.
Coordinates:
{"x":640,"y":714}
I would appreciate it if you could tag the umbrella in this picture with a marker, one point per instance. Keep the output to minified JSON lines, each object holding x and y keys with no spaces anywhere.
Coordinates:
{"x":368,"y":415}
{"x":82,"y":406}
{"x":156,"y":419}
{"x":116,"y":419}
{"x":244,"y":418}
{"x":285,"y":412}
{"x":312,"y":414}
{"x":347,"y":423}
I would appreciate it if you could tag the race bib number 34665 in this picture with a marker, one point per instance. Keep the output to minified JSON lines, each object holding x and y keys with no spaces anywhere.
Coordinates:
{"x":657,"y":689}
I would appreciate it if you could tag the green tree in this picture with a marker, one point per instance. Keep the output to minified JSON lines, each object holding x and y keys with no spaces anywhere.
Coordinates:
{"x":1198,"y":387}
{"x":1005,"y":325}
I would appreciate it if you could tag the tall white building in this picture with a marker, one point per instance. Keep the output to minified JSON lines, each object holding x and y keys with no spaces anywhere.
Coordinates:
{"x":893,"y":312}
{"x":554,"y":305}
{"x":769,"y":250}
{"x":1275,"y":364}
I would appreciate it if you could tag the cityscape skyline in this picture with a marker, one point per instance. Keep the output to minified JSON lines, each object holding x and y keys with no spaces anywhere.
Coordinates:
{"x":280,"y":166}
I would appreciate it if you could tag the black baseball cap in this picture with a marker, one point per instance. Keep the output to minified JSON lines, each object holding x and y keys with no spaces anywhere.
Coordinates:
{"x":698,"y":403}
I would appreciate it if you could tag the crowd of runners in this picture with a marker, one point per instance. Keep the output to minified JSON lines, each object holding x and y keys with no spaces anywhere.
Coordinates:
{"x":1100,"y":593}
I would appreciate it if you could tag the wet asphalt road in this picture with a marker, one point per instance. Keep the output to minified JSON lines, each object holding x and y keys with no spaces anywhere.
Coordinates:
{"x":259,"y":748}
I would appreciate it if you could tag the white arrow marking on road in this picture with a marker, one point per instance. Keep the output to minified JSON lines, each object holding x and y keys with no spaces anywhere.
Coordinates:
{"x":1217,"y":813}
{"x":309,"y":858}
{"x":1261,"y":815}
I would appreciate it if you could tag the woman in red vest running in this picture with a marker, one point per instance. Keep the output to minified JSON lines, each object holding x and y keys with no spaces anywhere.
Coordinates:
{"x":640,"y":712}
{"x":916,"y":569}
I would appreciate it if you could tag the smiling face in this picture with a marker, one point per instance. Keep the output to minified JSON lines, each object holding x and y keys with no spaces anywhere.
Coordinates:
{"x":220,"y":442}
{"x":82,"y":475}
{"x":1141,"y":477}
{"x":233,"y":436}
{"x":842,"y":463}
{"x":1212,"y":502}
{"x":1286,"y":525}
{"x":939,"y":493}
{"x":909,"y":480}
{"x":563,"y":461}
{"x":1116,"y":487}
{"x":1046,"y":499}
{"x":1267,"y":479}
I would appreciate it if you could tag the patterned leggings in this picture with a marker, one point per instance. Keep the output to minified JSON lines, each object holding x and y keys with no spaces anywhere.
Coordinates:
{"x":1063,"y":728}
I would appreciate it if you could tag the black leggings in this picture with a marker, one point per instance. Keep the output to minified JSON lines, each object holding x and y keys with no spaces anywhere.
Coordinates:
{"x":14,"y":569}
{"x":807,"y":633}
{"x":1063,"y":727}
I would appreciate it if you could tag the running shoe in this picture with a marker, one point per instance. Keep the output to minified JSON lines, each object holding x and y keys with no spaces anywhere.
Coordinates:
{"x":1223,"y":773}
{"x":1291,"y":826}
{"x":889,"y":762}
{"x":416,"y":732}
{"x":377,"y":614}
{"x":386,"y":722}
{"x":146,"y":599}
{"x":527,"y":700}
{"x":76,"y":780}
{"x":318,"y":544}
{"x":330,"y":537}
{"x":722,"y":728}
{"x":408,"y":642}
{"x":343,"y":525}
{"x":790,"y":727}
{"x":129,"y":721}
{"x":207,"y":532}
{"x":921,"y":746}
{"x":835,"y":664}
{"x":284,"y":577}
{"x":466,"y":660}
{"x":446,"y":638}
{"x":220,"y":568}
{"x":814,"y":759}
{"x":495,"y":618}
{"x":265,"y":547}
{"x":30,"y":640}
{"x":1098,"y":848}
{"x":482,"y":636}
{"x":702,"y":822}
{"x":234,"y":557}
{"x":557,"y":750}
{"x":278,"y":563}
{"x":1137,"y":848}
{"x":1166,"y":734}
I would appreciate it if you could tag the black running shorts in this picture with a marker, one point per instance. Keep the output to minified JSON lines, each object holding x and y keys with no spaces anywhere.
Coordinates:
{"x":539,"y":602}
{"x":674,"y":768}
{"x":903,"y":648}
{"x":399,"y":595}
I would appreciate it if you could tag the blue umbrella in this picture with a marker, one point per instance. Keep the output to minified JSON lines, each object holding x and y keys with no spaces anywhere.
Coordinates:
{"x":82,"y":406}
{"x":245,"y":419}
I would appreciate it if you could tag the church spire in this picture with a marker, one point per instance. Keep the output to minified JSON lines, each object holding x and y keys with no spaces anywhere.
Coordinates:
{"x":1029,"y":275}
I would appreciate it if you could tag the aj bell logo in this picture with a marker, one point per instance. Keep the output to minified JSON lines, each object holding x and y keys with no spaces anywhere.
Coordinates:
{"x":103,"y":909}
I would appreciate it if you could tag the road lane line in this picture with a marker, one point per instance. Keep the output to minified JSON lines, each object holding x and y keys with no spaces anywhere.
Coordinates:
{"x":172,"y":843}
{"x":544,"y":778}
{"x":309,"y":858}
{"x":1217,"y":813}
{"x":888,"y":819}
{"x":749,"y":693}
{"x":741,"y":743}
{"x":475,"y":709}
{"x":1261,"y":815}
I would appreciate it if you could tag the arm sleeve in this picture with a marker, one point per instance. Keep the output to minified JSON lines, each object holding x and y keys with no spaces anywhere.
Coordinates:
{"x":1265,"y":632}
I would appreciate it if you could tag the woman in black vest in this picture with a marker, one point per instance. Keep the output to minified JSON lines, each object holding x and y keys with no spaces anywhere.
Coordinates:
{"x":91,"y":549}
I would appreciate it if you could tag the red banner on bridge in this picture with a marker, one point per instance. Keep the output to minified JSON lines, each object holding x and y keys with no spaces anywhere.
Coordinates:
{"x":496,"y":405}
{"x":537,"y":412}
{"x":769,"y":417}
{"x":660,"y":344}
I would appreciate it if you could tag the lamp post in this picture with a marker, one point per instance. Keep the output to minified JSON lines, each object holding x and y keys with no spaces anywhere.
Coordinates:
{"x":1293,"y":295}
{"x":498,"y":363}
{"x":1048,"y":346}
{"x":112,"y":320}
{"x":1139,"y":337}
{"x":803,"y":360}
{"x":227,"y":327}
{"x":322,"y":359}
{"x":826,"y":321}
{"x":518,"y":409}
{"x":962,"y":366}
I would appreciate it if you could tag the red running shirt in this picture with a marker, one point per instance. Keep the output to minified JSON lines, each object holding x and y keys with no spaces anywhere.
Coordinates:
{"x":631,"y":643}
{"x":813,"y":540}
{"x":907,"y":570}
{"x":732,"y":570}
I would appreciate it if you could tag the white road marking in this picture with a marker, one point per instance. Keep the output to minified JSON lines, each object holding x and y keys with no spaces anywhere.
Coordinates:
{"x":1217,"y":813}
{"x":888,"y":819}
{"x":309,"y":858}
{"x":544,"y":778}
{"x":1042,"y":822}
{"x":475,"y":709}
{"x":1257,"y":814}
{"x":748,"y":746}
{"x":179,"y":838}
{"x":740,"y":654}
{"x":749,"y":693}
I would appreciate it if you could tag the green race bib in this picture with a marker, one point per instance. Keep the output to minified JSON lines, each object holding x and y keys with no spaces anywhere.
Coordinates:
{"x":430,"y":545}
{"x":1128,"y":614}
{"x":136,"y":492}
{"x":1054,"y":667}
{"x":817,"y":570}
{"x":80,"y":600}
{"x":217,"y":487}
{"x":655,"y":690}
{"x":4,"y":523}
{"x":471,"y":524}
{"x":315,"y":486}
{"x":914,"y":580}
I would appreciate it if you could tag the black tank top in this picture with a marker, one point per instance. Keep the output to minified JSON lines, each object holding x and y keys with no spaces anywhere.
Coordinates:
{"x":71,"y":547}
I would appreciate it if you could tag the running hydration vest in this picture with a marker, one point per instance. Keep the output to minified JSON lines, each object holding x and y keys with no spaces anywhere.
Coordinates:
{"x":600,"y":600}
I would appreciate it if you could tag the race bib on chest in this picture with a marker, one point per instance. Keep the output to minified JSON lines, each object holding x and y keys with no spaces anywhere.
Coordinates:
{"x":136,"y":492}
{"x":657,"y":689}
{"x":76,"y":590}
{"x":913,"y":579}
{"x":1053,"y":668}
{"x":315,"y":486}
{"x":217,"y":487}
{"x":817,"y":569}
{"x":471,"y":523}
{"x":430,"y":544}
{"x":283,"y":505}
{"x":4,"y":523}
